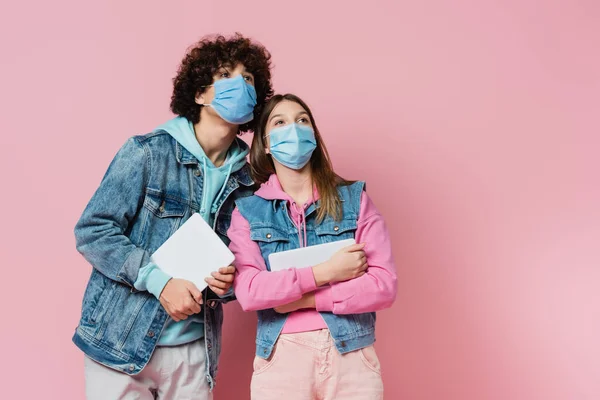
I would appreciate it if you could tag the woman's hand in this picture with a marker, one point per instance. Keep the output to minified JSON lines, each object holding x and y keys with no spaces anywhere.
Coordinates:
{"x":348,"y":263}
{"x":220,"y":282}
{"x":307,"y":301}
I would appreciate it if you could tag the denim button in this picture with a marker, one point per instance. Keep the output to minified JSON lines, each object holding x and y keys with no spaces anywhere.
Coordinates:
{"x":336,"y":228}
{"x":343,"y":344}
{"x":264,"y":351}
{"x":269,"y":236}
{"x":151,"y":333}
{"x":131,"y":367}
{"x":197,"y":172}
{"x":162,"y":207}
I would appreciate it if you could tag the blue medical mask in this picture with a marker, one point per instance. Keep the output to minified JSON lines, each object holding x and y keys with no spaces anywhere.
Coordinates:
{"x":234,"y":100}
{"x":292,"y":145}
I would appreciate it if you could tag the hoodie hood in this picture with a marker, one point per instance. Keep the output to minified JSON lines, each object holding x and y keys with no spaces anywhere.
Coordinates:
{"x":272,"y":190}
{"x":214,"y":178}
{"x":182,"y":130}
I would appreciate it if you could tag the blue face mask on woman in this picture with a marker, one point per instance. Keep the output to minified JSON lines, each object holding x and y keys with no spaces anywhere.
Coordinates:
{"x":292,"y":145}
{"x":234,"y":100}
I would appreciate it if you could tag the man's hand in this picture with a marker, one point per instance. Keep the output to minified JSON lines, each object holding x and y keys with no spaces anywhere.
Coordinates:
{"x":181,"y":298}
{"x":307,"y":301}
{"x":221,"y":281}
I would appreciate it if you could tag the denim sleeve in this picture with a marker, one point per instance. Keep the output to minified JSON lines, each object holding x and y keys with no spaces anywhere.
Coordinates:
{"x":100,"y":232}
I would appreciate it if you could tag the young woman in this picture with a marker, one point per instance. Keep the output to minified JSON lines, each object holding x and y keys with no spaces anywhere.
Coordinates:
{"x":316,"y":325}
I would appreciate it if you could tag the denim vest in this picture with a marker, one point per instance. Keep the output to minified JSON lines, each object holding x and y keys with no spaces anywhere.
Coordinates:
{"x":273,"y":230}
{"x":151,"y":188}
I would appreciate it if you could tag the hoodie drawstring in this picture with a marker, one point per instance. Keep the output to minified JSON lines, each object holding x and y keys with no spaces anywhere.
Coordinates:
{"x":216,"y":200}
{"x":301,"y":225}
{"x":304,"y":225}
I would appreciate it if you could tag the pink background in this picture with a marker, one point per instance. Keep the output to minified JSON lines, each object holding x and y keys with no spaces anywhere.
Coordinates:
{"x":475,"y":123}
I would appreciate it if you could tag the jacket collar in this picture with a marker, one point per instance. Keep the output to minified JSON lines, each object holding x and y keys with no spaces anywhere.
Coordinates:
{"x":186,"y":158}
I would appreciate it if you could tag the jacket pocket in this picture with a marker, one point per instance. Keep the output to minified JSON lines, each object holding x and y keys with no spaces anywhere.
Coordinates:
{"x":268,"y":234}
{"x":101,"y":306}
{"x":164,"y":206}
{"x":164,"y":215}
{"x":332,"y":231}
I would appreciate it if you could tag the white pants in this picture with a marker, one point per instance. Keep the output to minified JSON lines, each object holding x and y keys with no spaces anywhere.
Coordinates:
{"x":173,"y":373}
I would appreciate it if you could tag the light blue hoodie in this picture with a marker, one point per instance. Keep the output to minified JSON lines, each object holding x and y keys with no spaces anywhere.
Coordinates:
{"x":150,"y":277}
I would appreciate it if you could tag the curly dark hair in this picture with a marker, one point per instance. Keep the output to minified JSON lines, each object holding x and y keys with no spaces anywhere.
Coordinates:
{"x":202,"y":61}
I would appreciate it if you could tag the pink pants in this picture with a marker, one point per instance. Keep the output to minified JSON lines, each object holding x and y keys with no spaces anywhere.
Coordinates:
{"x":307,"y":366}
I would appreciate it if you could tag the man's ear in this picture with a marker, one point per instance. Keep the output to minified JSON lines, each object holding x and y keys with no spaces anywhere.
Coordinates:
{"x":199,"y":98}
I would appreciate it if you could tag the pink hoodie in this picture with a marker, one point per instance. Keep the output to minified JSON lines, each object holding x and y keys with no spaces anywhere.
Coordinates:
{"x":258,"y":289}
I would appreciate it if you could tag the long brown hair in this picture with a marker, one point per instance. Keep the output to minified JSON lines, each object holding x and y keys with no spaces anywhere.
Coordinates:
{"x":322,"y":173}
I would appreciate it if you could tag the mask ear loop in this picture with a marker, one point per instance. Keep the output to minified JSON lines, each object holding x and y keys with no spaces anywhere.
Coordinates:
{"x":204,"y":104}
{"x":265,"y":138}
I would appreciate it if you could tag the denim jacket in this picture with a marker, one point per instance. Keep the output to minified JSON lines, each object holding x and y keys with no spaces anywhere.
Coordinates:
{"x":151,"y":187}
{"x":273,"y":230}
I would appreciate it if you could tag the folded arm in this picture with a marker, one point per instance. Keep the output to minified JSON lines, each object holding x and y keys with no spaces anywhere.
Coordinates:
{"x":255,"y":287}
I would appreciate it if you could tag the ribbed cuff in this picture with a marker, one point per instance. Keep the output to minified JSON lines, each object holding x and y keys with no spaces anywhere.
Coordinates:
{"x":157,"y":280}
{"x":152,"y":279}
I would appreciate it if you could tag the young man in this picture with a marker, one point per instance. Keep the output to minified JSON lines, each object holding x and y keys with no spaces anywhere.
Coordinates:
{"x":147,"y":335}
